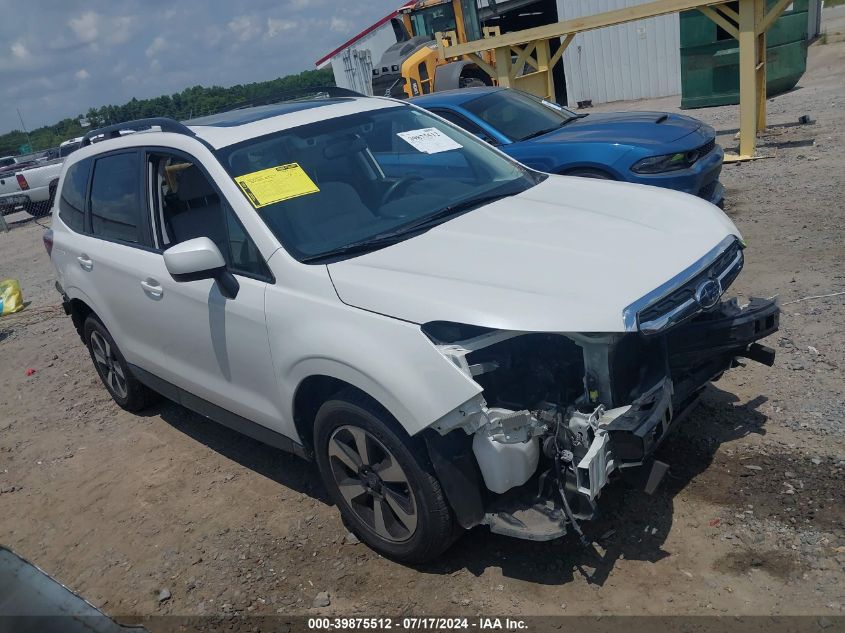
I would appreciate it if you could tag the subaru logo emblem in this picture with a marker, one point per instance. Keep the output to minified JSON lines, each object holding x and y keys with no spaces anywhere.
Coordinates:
{"x":708,"y":293}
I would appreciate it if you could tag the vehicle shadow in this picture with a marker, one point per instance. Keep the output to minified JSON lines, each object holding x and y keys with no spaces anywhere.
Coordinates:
{"x":282,"y":467}
{"x":633,"y":525}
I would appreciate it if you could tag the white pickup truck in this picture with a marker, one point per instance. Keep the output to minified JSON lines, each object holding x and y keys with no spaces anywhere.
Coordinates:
{"x":11,"y":198}
{"x":32,"y":189}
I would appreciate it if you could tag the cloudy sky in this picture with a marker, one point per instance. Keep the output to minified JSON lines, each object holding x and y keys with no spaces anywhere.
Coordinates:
{"x":63,"y":56}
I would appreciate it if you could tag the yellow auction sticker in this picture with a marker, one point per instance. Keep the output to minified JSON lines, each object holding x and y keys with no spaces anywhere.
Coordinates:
{"x":273,"y":185}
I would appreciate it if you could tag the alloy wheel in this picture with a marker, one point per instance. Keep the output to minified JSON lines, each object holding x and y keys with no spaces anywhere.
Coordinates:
{"x":373,"y":484}
{"x":108,"y":366}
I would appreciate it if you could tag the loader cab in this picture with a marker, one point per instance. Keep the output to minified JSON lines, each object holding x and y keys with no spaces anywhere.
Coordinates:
{"x":428,"y":17}
{"x":408,"y":68}
{"x":431,"y":20}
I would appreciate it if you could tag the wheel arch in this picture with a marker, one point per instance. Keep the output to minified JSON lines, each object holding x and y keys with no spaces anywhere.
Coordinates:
{"x":309,"y":396}
{"x":318,"y":388}
{"x":568,"y":170}
{"x":448,"y":76}
{"x":79,"y":311}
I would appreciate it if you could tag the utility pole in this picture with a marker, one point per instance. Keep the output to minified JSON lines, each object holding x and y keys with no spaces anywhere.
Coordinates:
{"x":23,"y":125}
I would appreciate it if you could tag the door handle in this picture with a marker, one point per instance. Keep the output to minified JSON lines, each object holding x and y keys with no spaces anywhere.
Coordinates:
{"x":85,"y":262}
{"x":152,"y":288}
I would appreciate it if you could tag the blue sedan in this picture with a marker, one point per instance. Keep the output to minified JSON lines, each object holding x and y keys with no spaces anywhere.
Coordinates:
{"x":649,"y":148}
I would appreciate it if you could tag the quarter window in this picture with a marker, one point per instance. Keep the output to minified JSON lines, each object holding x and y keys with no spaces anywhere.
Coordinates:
{"x":72,"y":199}
{"x":116,"y":198}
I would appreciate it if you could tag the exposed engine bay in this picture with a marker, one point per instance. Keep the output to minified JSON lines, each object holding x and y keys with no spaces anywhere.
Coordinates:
{"x":560,"y":415}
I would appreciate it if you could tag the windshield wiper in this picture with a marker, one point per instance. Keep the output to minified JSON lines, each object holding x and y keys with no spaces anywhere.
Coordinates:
{"x":386,"y":239}
{"x":551,"y":129}
{"x":363,"y":246}
{"x":452,"y":210}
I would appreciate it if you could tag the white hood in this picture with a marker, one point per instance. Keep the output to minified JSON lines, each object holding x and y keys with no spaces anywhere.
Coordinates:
{"x":568,"y":255}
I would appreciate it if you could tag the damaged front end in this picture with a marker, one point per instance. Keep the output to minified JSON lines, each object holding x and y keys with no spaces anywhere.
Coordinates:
{"x":561,"y":414}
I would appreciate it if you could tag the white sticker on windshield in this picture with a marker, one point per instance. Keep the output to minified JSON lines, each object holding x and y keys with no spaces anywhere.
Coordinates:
{"x":429,"y":140}
{"x":552,"y":105}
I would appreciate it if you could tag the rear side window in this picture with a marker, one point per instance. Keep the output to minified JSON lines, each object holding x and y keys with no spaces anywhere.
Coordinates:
{"x":116,"y":198}
{"x":72,"y":200}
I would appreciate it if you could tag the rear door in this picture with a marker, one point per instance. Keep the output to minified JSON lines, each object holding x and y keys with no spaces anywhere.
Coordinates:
{"x":111,"y":251}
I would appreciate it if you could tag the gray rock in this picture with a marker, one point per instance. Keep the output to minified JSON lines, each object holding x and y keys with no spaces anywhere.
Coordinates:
{"x":816,"y":461}
{"x":164,"y":595}
{"x":351,"y":539}
{"x":321,"y":600}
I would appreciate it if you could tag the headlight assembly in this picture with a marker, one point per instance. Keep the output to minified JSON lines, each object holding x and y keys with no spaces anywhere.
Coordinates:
{"x":667,"y":162}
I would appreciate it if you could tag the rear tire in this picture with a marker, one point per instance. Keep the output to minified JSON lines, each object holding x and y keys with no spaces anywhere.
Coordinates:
{"x":390,"y":497}
{"x":471,"y":82}
{"x":126,"y":390}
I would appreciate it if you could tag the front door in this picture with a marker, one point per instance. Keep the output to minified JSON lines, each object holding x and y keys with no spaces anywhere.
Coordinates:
{"x":212,"y":347}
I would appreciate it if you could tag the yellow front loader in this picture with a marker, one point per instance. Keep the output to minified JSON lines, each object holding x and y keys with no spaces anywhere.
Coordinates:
{"x":413,"y":67}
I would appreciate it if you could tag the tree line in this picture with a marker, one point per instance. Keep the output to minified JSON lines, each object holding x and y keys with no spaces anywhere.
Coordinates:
{"x":191,"y":102}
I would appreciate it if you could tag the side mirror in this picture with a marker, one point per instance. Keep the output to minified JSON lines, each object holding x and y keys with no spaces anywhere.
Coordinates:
{"x":200,"y":258}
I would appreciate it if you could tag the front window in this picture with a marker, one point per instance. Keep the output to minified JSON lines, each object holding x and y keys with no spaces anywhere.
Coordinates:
{"x":518,"y":115}
{"x":355,"y":183}
{"x":433,"y":20}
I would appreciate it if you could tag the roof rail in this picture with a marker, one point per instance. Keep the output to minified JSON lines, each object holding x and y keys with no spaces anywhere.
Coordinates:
{"x":298,"y":93}
{"x":113,"y":131}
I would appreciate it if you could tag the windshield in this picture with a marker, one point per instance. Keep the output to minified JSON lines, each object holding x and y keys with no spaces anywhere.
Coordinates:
{"x":518,"y":115}
{"x":338,"y":183}
{"x":440,"y":19}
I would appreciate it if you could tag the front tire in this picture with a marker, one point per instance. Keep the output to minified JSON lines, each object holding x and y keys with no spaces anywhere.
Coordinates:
{"x":126,"y":390}
{"x":381,"y":481}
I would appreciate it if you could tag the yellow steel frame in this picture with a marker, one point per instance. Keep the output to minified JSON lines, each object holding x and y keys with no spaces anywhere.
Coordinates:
{"x":530,"y":48}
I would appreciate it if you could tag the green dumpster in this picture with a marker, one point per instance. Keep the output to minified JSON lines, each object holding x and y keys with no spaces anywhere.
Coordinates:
{"x":710,"y":56}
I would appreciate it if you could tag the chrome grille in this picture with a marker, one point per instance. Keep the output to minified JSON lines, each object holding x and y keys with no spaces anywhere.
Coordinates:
{"x":708,"y":147}
{"x":684,"y":301}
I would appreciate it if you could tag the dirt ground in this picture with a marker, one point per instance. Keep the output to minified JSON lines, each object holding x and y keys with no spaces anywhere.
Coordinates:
{"x":749,"y":521}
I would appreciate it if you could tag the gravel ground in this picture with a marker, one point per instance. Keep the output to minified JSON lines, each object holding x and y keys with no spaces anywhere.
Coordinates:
{"x":167,"y":513}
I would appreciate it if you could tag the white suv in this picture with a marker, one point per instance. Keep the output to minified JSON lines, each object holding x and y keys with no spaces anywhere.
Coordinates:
{"x":456,"y":339}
